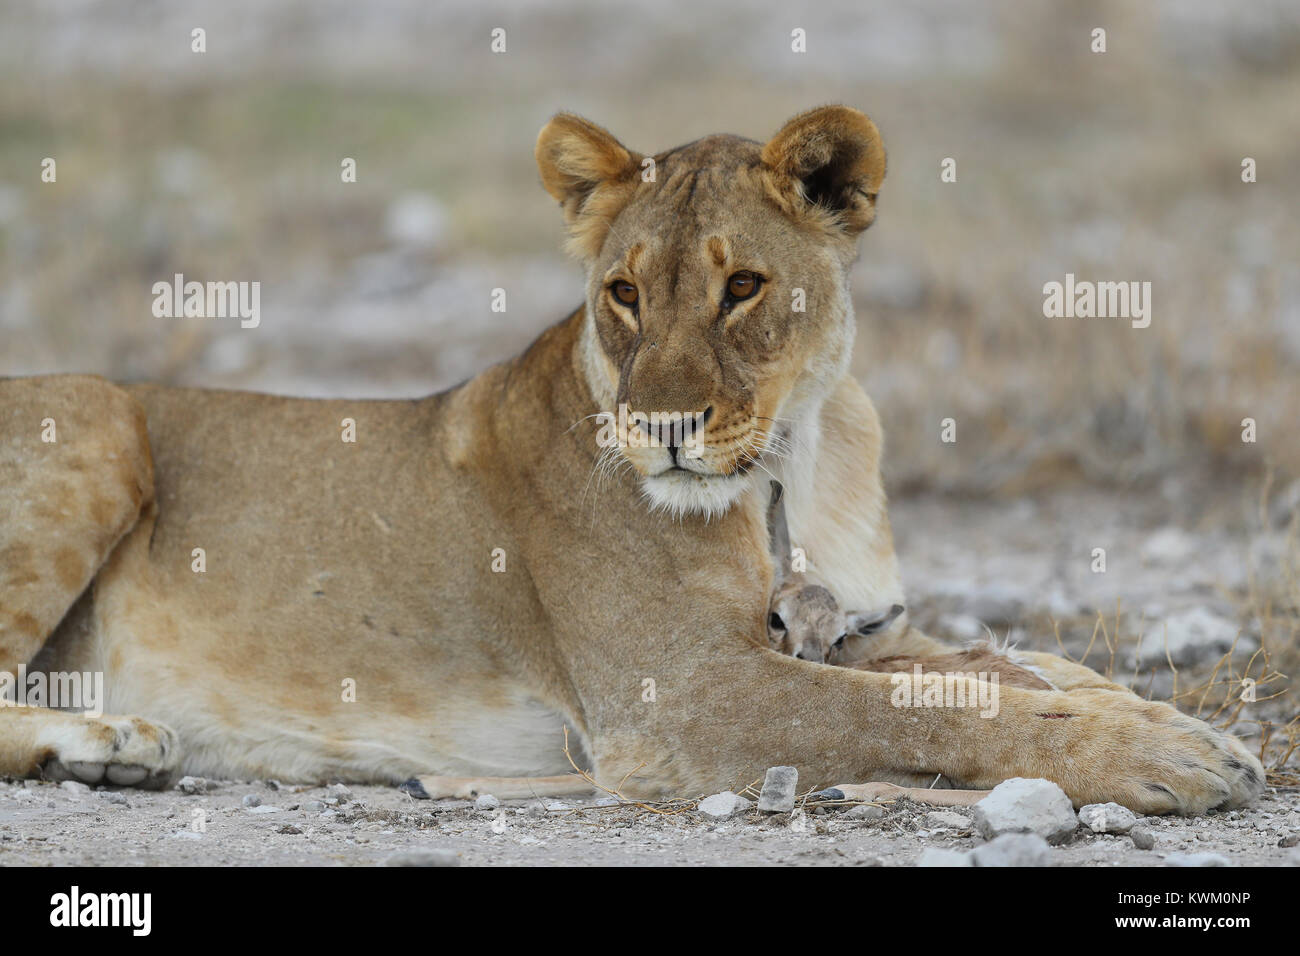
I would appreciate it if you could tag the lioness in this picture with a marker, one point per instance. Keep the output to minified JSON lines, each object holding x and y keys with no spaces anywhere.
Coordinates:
{"x":441,"y":598}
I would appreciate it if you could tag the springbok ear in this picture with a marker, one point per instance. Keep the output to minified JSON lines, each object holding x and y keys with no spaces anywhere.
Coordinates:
{"x":829,"y":159}
{"x":870,"y":622}
{"x":591,"y":174}
{"x":778,"y":532}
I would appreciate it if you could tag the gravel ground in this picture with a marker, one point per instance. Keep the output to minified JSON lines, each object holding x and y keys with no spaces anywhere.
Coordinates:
{"x":47,"y":824}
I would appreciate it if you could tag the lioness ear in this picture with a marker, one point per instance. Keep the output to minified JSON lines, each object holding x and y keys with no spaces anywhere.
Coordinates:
{"x":829,"y":159}
{"x":589,"y":172}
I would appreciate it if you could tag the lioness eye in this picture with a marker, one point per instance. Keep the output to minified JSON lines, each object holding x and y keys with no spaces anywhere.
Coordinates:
{"x":625,"y":292}
{"x":775,"y":623}
{"x":741,"y":286}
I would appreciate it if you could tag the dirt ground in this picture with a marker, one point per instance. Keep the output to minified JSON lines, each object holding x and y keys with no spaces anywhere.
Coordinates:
{"x":43,"y":824}
{"x":1019,"y":565}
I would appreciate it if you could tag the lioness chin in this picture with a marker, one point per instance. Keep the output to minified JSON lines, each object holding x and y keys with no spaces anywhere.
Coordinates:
{"x":479,"y":571}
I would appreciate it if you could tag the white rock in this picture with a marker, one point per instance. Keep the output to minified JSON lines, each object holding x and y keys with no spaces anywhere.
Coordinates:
{"x":946,"y":819}
{"x":1019,"y":805}
{"x":1196,"y":636}
{"x":866,"y":811}
{"x":723,"y":805}
{"x":75,"y":786}
{"x":1196,"y":859}
{"x":608,"y":800}
{"x":193,"y":785}
{"x":1013,"y":849}
{"x":1142,"y":837}
{"x":339,"y":792}
{"x":416,"y":219}
{"x":485,"y":801}
{"x":252,"y":800}
{"x":777,"y":795}
{"x":263,"y":809}
{"x":1107,"y":818}
{"x":937,"y":857}
{"x":1169,"y":545}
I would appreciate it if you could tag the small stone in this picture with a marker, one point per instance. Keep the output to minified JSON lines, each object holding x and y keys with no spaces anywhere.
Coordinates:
{"x":1142,"y":837}
{"x":423,"y":858}
{"x":75,"y":786}
{"x":113,"y":797}
{"x":314,"y":806}
{"x":608,"y":800}
{"x":339,"y":792}
{"x":1107,"y":818}
{"x":260,"y":808}
{"x":193,"y":785}
{"x":252,"y":800}
{"x":722,"y":805}
{"x":289,"y":828}
{"x":1289,"y":839}
{"x":1013,"y":849}
{"x":1019,"y":805}
{"x":557,"y":806}
{"x":485,"y":801}
{"x":937,"y":857}
{"x":535,"y":808}
{"x":865,"y":811}
{"x":777,"y":795}
{"x":1196,"y":859}
{"x":946,"y":819}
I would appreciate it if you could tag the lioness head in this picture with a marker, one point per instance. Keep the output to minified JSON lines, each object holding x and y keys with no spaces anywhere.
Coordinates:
{"x":718,"y":311}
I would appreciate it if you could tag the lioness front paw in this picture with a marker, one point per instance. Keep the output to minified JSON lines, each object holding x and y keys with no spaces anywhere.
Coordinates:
{"x":1152,"y":758}
{"x":122,"y":751}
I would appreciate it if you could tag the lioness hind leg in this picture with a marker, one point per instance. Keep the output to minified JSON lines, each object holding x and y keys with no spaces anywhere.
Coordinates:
{"x":125,"y":751}
{"x":505,"y":788}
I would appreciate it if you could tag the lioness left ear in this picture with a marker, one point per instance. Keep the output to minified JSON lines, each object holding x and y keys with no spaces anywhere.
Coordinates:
{"x":831,"y":159}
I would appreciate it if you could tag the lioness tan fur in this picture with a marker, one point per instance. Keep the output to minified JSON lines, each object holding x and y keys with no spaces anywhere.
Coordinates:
{"x":464,"y":571}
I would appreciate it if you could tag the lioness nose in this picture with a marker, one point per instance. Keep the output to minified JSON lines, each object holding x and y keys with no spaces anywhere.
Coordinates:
{"x":671,"y":431}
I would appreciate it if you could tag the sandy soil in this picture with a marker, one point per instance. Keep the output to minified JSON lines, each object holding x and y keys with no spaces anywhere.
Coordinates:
{"x":45,"y":824}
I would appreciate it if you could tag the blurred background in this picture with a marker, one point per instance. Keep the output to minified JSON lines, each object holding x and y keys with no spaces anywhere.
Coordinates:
{"x":1073,"y":434}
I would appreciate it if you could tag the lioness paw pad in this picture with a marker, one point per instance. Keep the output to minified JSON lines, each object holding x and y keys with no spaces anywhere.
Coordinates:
{"x":119,"y":751}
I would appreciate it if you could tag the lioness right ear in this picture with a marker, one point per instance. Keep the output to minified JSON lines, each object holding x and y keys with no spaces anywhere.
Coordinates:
{"x":829,"y":160}
{"x":590,"y":172}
